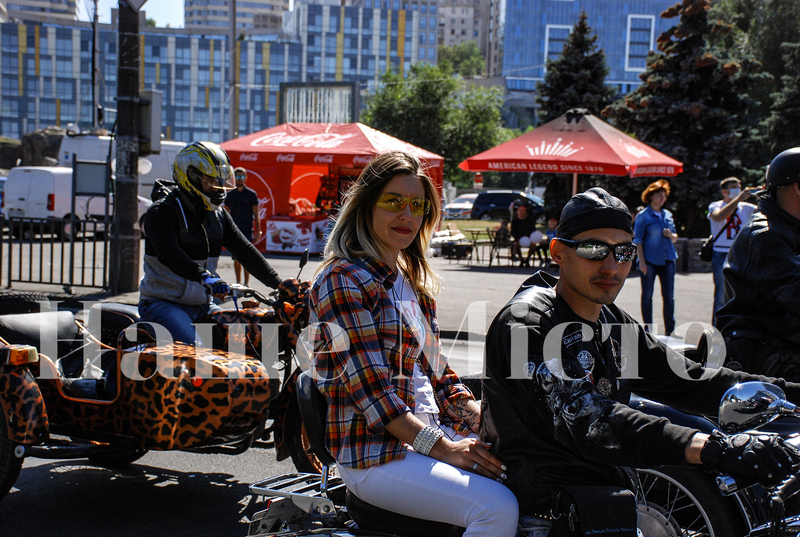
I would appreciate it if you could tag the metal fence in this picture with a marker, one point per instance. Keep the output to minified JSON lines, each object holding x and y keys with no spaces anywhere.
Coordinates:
{"x":66,"y":252}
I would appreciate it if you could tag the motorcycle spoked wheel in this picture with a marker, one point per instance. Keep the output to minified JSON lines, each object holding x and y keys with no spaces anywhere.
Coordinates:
{"x":10,"y":464}
{"x":684,"y":501}
{"x":297,"y":441}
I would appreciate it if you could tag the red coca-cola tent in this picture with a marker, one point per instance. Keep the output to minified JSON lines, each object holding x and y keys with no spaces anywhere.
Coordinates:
{"x":575,"y":143}
{"x":288,"y":161}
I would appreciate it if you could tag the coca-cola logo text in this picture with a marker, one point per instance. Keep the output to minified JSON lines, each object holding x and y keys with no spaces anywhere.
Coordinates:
{"x":327,"y":159}
{"x":249,"y":157}
{"x":366,"y":159}
{"x":325,"y":140}
{"x":285,"y":158}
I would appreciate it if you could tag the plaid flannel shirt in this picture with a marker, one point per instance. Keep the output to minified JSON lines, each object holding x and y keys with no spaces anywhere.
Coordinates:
{"x":364,"y":356}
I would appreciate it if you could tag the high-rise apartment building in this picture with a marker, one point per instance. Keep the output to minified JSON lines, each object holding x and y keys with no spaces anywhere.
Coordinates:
{"x":45,"y":68}
{"x":465,"y":20}
{"x":55,"y":10}
{"x":263,"y":15}
{"x":427,"y":14}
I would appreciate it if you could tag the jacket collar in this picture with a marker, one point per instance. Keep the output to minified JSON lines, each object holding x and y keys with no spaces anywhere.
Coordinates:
{"x":772,"y":210}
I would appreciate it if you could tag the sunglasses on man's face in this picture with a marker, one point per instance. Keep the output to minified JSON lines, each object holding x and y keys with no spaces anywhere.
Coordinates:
{"x":396,"y":203}
{"x":595,"y":250}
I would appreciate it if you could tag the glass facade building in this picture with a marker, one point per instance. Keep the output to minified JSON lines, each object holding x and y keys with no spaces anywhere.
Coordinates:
{"x":46,"y":69}
{"x":536,"y":30}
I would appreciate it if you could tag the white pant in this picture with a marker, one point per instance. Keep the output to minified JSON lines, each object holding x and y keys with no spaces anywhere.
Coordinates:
{"x":423,"y":487}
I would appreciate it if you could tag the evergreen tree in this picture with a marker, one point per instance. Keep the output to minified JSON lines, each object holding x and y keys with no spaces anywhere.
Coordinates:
{"x":575,"y":80}
{"x":692,"y":105}
{"x":784,"y":123}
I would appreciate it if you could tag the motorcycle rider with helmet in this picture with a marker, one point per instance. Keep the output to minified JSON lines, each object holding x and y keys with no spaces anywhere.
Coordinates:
{"x":185,"y":231}
{"x":761,"y":317}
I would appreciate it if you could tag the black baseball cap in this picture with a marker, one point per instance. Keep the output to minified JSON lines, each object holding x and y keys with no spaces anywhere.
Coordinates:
{"x":593,"y":209}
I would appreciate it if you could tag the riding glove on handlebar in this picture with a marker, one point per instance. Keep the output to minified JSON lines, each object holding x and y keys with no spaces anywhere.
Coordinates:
{"x":215,"y":285}
{"x":763,"y":458}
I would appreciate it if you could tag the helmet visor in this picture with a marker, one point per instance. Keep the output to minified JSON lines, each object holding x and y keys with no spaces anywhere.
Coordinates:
{"x":222,"y":181}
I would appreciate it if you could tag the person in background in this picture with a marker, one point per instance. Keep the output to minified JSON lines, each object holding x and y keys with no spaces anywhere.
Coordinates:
{"x":400,"y":424}
{"x":654,"y":236}
{"x":522,"y":225}
{"x":729,"y":214}
{"x":242,"y":203}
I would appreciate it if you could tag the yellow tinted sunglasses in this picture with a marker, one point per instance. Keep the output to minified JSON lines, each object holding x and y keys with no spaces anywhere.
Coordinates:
{"x":396,"y":203}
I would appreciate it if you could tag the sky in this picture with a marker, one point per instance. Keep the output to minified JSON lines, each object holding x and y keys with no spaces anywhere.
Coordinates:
{"x":163,"y":11}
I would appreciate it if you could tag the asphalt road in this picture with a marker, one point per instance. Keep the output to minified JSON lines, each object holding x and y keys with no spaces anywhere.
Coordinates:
{"x":176,"y":493}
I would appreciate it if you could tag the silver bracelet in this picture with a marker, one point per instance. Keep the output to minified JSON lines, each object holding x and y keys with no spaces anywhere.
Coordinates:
{"x":426,"y":438}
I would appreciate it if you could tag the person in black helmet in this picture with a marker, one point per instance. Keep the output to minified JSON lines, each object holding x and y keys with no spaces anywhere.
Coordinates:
{"x":184,"y":235}
{"x":760,"y":320}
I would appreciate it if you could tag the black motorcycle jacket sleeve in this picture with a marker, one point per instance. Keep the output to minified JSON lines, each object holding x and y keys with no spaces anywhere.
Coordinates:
{"x":246,"y":253}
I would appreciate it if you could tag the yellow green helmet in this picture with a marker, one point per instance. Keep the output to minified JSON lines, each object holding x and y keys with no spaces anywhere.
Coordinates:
{"x":204,"y":162}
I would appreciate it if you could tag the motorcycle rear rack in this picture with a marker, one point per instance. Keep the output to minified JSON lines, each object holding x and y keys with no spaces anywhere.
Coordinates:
{"x":308,"y":492}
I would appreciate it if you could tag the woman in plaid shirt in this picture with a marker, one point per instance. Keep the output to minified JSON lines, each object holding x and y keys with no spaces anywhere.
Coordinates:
{"x":402,"y":427}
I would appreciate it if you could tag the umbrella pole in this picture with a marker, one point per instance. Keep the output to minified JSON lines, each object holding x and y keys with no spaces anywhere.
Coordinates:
{"x":574,"y":183}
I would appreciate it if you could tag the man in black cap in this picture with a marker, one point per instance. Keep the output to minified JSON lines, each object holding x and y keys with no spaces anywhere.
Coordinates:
{"x":561,"y":362}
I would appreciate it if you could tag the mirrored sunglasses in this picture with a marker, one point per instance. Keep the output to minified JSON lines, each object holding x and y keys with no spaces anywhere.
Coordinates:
{"x":595,"y":250}
{"x":396,"y":203}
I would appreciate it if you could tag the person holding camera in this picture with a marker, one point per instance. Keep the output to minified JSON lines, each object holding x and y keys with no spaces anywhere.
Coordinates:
{"x":726,"y":217}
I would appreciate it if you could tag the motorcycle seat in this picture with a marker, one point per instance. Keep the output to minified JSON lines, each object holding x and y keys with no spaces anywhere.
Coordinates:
{"x":26,"y":329}
{"x":313,"y":411}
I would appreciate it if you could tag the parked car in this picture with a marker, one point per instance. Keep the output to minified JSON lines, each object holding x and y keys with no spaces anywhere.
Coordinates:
{"x":461,"y":207}
{"x":496,"y":204}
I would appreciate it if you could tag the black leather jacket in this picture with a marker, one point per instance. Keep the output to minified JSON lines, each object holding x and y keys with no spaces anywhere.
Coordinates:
{"x":181,"y":243}
{"x":762,"y":283}
{"x":549,"y":432}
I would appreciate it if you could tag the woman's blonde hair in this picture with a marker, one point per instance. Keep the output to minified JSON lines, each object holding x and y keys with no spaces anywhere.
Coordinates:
{"x":353,"y":235}
{"x":652,"y":188}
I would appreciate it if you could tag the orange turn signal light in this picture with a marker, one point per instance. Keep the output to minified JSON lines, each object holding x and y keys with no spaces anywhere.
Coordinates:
{"x":19,"y":354}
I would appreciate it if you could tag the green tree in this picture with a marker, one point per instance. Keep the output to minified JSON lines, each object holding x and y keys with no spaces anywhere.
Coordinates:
{"x":693,"y":106}
{"x":465,"y":59}
{"x":151,"y":23}
{"x":784,"y":123}
{"x":761,"y":27}
{"x":432,"y":110}
{"x":575,"y":80}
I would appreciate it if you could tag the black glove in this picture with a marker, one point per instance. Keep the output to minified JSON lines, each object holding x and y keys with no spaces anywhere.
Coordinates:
{"x":762,"y":458}
{"x":215,"y":285}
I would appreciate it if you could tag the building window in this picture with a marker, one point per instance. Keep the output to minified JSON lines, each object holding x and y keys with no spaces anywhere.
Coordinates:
{"x":555,"y":39}
{"x":641,"y":34}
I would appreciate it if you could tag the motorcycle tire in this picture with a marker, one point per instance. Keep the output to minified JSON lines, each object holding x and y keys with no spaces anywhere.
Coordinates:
{"x":10,"y":464}
{"x":297,"y":441}
{"x":677,"y":500}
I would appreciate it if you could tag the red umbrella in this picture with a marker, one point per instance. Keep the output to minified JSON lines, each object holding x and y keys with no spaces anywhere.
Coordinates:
{"x":575,"y":143}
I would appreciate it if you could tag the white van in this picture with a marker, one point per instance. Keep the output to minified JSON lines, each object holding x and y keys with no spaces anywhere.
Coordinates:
{"x":46,"y":192}
{"x":95,"y":148}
